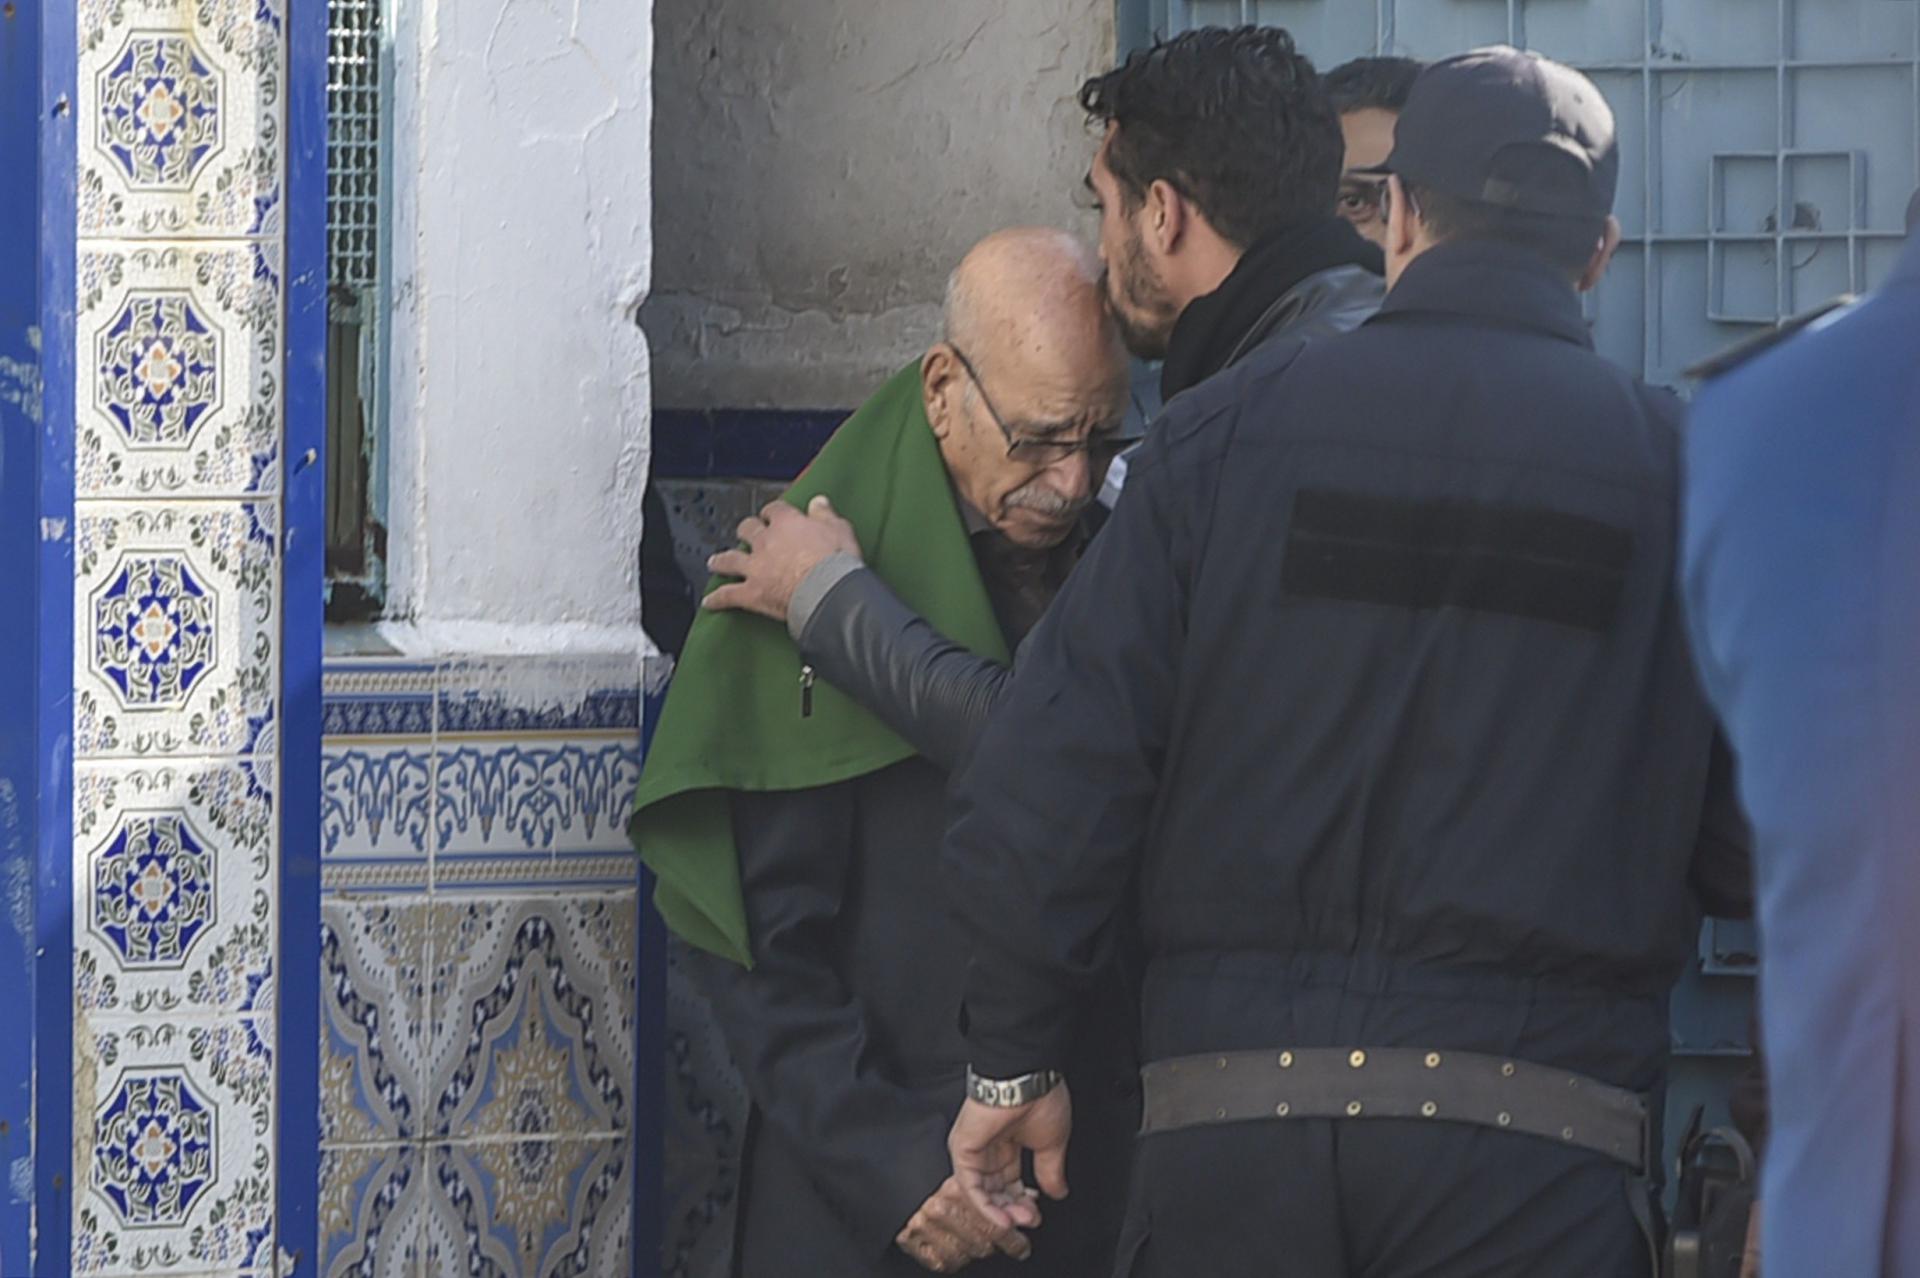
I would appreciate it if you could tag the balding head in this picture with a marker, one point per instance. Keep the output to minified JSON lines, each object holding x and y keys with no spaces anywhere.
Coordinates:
{"x":1026,"y":310}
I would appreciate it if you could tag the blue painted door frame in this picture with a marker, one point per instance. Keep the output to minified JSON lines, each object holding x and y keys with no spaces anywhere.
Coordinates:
{"x":22,"y":753}
{"x":37,"y":271}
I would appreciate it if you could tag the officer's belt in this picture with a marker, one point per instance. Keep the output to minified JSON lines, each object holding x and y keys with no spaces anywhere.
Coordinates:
{"x":1399,"y":1083}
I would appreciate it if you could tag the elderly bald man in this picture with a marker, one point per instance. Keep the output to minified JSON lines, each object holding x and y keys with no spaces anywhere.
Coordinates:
{"x":846,"y":1027}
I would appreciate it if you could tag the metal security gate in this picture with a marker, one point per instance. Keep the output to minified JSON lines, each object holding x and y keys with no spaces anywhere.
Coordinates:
{"x":1769,"y":147}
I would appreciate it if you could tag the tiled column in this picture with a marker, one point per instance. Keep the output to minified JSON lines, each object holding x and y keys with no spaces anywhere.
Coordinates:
{"x":178,"y":363}
{"x":478,"y":968}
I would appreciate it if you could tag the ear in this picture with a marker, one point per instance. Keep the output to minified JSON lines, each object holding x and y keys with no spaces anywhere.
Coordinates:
{"x":1602,"y":255}
{"x":1167,"y":214}
{"x":1403,"y":229}
{"x":940,"y":388}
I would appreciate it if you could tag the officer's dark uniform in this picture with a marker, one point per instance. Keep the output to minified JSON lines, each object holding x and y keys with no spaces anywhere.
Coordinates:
{"x":1381,"y":654}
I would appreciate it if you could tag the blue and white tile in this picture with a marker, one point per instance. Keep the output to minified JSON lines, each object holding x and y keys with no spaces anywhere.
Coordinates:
{"x":178,"y":374}
{"x":179,"y":105}
{"x":177,"y":627}
{"x":372,"y":1211}
{"x":376,"y":796}
{"x":534,"y":796}
{"x":174,"y":887}
{"x":531,"y":1209}
{"x":536,"y":695}
{"x":376,"y":697}
{"x":375,"y":971}
{"x":175,"y":1127}
{"x":533,"y":1025}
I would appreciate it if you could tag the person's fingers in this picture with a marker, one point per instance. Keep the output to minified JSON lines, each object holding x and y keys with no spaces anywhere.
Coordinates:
{"x":749,"y":528}
{"x":822,"y":506}
{"x":776,"y":510}
{"x":973,"y":1183}
{"x":1050,"y":1169}
{"x":734,"y":598}
{"x":968,"y":1230}
{"x":1011,"y":1242}
{"x":729,"y":563}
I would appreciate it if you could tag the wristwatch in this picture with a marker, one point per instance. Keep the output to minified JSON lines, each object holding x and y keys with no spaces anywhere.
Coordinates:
{"x":1011,"y":1093}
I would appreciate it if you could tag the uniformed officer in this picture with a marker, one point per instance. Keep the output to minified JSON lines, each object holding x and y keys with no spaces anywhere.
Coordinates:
{"x":1803,"y":588}
{"x":1375,"y":699}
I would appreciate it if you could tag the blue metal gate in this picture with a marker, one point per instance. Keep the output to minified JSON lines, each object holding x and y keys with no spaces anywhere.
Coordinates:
{"x":1769,"y":147}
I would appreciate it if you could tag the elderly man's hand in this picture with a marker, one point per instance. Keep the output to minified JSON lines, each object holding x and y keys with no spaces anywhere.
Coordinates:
{"x":947,"y":1234}
{"x":782,"y":547}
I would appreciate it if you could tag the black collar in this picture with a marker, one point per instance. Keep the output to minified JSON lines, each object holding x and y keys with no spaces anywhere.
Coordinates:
{"x":1212,"y":331}
{"x":1490,"y":282}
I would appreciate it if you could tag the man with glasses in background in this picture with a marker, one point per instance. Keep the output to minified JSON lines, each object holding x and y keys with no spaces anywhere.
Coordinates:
{"x":1369,"y":94}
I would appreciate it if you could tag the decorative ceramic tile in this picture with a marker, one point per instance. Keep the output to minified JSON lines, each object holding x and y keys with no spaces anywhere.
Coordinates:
{"x":374,"y":973}
{"x":178,"y":1142}
{"x":364,"y":697}
{"x":178,"y":375}
{"x":531,"y":1209}
{"x":374,"y":799}
{"x":533,"y":1021}
{"x":531,"y":696}
{"x":179,"y":106}
{"x":177,"y":628}
{"x":372,"y":1211}
{"x":489,"y":872}
{"x":173,"y":887}
{"x":535,"y":794}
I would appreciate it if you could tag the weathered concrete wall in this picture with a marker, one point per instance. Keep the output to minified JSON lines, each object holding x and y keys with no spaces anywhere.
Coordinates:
{"x":823,"y":163}
{"x":522,"y":207}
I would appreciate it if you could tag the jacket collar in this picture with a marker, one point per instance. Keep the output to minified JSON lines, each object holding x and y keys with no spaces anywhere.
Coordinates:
{"x":1492,"y":283}
{"x":1212,"y":331}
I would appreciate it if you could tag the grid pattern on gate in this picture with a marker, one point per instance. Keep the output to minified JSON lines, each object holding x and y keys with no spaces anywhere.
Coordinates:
{"x":353,"y":143}
{"x":1769,"y":149}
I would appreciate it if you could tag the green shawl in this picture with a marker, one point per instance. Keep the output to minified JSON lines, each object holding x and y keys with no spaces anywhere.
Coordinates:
{"x":732,"y":719}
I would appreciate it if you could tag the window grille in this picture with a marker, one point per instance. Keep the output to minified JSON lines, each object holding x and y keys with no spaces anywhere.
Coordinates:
{"x":356,"y":330}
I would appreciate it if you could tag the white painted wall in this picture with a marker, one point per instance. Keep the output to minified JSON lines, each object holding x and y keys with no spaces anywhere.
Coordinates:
{"x":522,"y":251}
{"x":824,"y":163}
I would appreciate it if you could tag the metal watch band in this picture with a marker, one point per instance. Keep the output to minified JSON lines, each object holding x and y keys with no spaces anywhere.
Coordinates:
{"x":1011,"y":1093}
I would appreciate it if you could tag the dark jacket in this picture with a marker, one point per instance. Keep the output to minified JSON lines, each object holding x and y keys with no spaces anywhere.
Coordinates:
{"x":847,"y":1035}
{"x":1374,"y":694}
{"x":1313,"y":280}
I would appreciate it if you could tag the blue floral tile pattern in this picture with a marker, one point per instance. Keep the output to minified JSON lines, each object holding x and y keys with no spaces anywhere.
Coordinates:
{"x":178,"y":604}
{"x":372,"y":1211}
{"x":181,"y":106}
{"x":159,"y":113}
{"x":153,"y":630}
{"x":531,"y":1209}
{"x":177,"y":1120}
{"x":178,"y":385}
{"x":541,"y":794}
{"x":172,"y":887}
{"x":159,"y":364}
{"x":153,"y":891}
{"x":154,"y":1152}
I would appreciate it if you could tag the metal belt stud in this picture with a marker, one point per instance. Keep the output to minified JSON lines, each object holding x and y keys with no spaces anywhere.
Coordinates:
{"x":1506,"y":1071}
{"x":1222,"y":1063}
{"x":1505,"y":1119}
{"x":1286,"y":1060}
{"x":1357,"y":1059}
{"x":1283,"y":1109}
{"x":1353,"y":1109}
{"x":1429,"y":1109}
{"x":1566,"y":1133}
{"x":1433,"y":1060}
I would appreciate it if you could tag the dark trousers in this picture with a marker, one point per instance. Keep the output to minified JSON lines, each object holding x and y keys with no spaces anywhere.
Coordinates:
{"x":1378,"y":1199}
